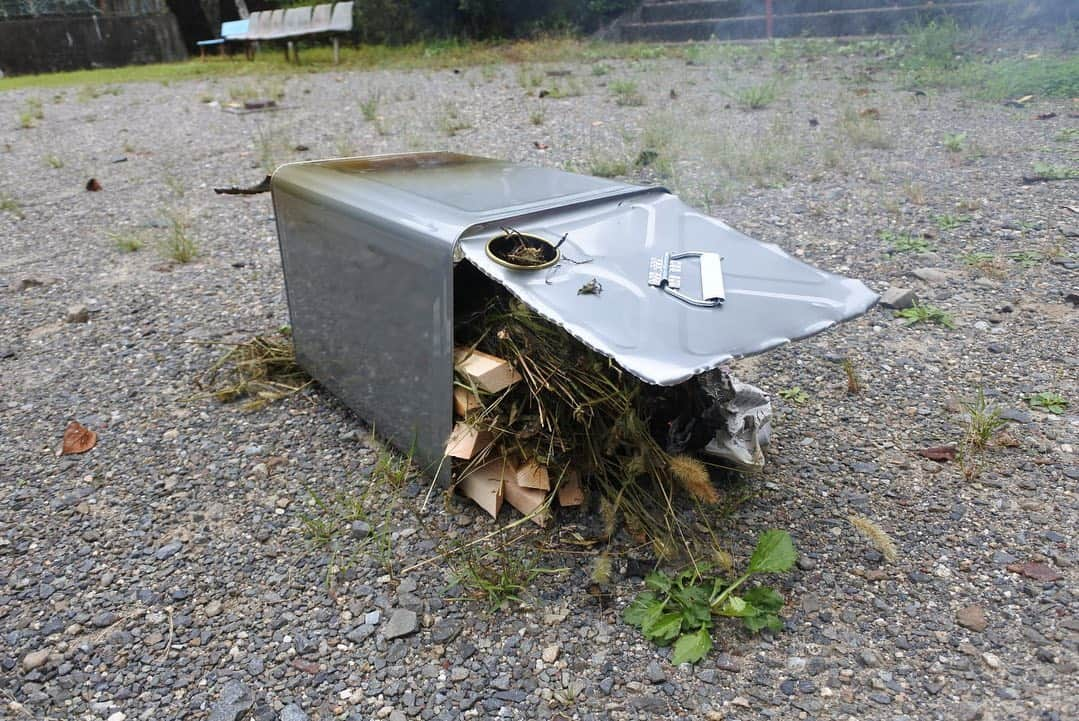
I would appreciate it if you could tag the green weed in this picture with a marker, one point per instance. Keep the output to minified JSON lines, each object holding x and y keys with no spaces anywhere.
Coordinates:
{"x":126,"y":241}
{"x":1053,"y":171}
{"x":955,"y":142}
{"x":10,"y":205}
{"x":178,"y":245}
{"x":926,"y":314}
{"x":1025,"y":258}
{"x":905,"y":242}
{"x":679,"y":610}
{"x":794,"y":394}
{"x":757,"y":97}
{"x":864,"y":130}
{"x":452,"y":122}
{"x":1049,"y":402}
{"x":369,"y":106}
{"x":498,"y":577}
{"x":54,"y":161}
{"x":948,"y":221}
{"x":983,"y":421}
{"x":626,"y":93}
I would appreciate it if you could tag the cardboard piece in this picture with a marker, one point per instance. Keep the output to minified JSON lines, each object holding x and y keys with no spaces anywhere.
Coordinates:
{"x":465,"y":402}
{"x":484,"y":485}
{"x":533,"y":475}
{"x":569,"y":491}
{"x":487,"y":372}
{"x":526,"y":500}
{"x":466,"y":441}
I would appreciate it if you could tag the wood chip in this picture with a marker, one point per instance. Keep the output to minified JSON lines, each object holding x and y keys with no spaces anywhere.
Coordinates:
{"x":484,"y":485}
{"x":569,"y":491}
{"x":487,"y":372}
{"x":526,"y":500}
{"x":466,"y":441}
{"x":465,"y":402}
{"x":533,"y":475}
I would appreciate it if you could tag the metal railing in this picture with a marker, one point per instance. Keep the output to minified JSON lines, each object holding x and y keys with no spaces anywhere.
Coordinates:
{"x":37,"y":8}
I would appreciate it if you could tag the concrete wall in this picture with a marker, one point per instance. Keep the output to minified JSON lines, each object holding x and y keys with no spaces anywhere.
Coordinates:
{"x":51,"y":43}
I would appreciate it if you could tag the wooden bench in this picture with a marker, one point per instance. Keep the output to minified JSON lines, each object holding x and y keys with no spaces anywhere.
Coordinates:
{"x":233,"y":30}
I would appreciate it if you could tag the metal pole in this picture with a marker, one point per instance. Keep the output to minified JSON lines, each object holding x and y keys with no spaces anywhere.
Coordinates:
{"x":768,"y":18}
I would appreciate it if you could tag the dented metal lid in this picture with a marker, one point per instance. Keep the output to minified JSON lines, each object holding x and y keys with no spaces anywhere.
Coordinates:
{"x":665,"y":290}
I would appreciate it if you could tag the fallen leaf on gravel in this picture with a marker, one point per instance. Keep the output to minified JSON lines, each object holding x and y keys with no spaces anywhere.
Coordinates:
{"x":1036,"y":571}
{"x":78,"y":439}
{"x":869,"y":113}
{"x":92,"y":185}
{"x":306,"y":666}
{"x":1005,"y":440}
{"x":940,"y":454}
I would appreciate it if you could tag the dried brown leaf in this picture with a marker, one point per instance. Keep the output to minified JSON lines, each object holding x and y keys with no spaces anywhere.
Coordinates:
{"x":78,"y":439}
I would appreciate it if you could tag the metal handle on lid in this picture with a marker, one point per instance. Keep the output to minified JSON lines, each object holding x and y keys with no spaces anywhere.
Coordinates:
{"x":666,"y":273}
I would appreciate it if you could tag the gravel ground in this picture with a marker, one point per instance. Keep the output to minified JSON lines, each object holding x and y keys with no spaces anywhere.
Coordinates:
{"x":166,"y":573}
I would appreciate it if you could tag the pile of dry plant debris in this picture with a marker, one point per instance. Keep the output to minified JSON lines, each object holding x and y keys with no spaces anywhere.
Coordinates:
{"x":543,"y":420}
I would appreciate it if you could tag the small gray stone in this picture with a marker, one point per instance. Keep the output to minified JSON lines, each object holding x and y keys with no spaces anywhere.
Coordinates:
{"x":213,"y":608}
{"x":403,"y":622}
{"x":606,"y":686}
{"x":235,"y":701}
{"x":458,"y":674}
{"x":360,"y":529}
{"x":1017,"y":415}
{"x":726,"y":662}
{"x":932,"y":276}
{"x":371,"y":618}
{"x":360,"y":633}
{"x":35,"y":659}
{"x":898,"y":298}
{"x":77,"y":314}
{"x":292,"y":712}
{"x":869,"y":658}
{"x":655,"y":673}
{"x":501,"y":682}
{"x":972,"y":617}
{"x":167,"y":551}
{"x":398,"y":715}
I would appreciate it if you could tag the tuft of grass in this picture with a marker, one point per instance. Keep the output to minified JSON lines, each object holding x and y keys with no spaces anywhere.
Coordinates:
{"x":126,"y":241}
{"x":983,"y":421}
{"x":1054,"y":171}
{"x":178,"y":245}
{"x":537,"y":116}
{"x":31,"y":114}
{"x":600,"y":69}
{"x":54,"y":161}
{"x":608,"y":166}
{"x":392,"y":470}
{"x":987,"y":263}
{"x":261,"y":370}
{"x":626,"y":93}
{"x":10,"y":205}
{"x":955,"y":142}
{"x":451,"y":121}
{"x":757,"y":97}
{"x":947,"y":221}
{"x":905,"y":242}
{"x":864,"y":130}
{"x":1049,"y":402}
{"x":854,"y":383}
{"x":915,"y":193}
{"x":369,"y":106}
{"x":877,"y":536}
{"x":498,"y":577}
{"x":926,"y":314}
{"x":1025,"y":258}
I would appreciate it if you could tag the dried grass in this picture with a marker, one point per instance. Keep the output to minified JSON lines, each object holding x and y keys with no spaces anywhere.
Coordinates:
{"x":877,"y":536}
{"x":261,"y":370}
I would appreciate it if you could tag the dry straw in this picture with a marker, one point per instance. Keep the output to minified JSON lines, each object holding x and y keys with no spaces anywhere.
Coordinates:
{"x":875,"y":535}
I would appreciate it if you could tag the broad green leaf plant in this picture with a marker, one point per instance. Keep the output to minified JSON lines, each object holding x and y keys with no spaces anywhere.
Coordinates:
{"x":679,"y":610}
